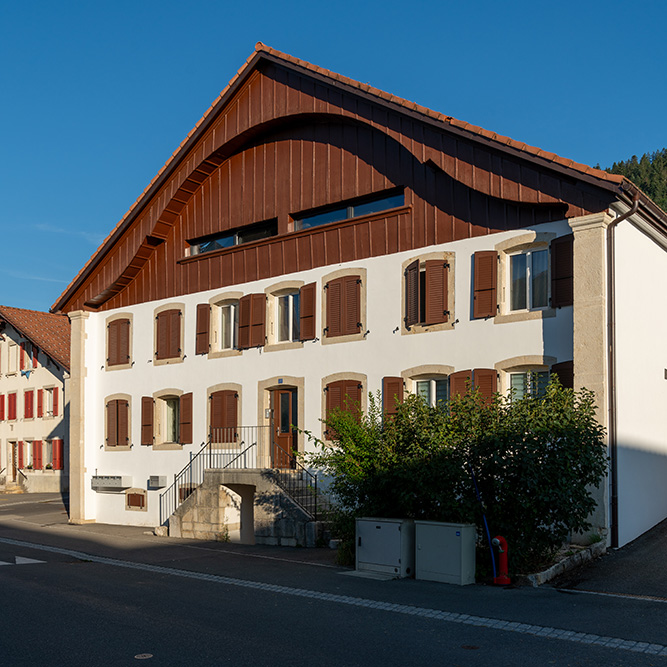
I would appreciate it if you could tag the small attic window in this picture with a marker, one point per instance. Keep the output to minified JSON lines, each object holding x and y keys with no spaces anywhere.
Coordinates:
{"x":351,"y":209}
{"x":256,"y":232}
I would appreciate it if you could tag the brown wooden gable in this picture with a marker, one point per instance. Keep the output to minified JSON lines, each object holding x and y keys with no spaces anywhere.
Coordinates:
{"x":285,"y":142}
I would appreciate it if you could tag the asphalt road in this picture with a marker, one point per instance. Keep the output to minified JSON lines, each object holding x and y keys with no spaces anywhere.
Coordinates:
{"x":105,"y":595}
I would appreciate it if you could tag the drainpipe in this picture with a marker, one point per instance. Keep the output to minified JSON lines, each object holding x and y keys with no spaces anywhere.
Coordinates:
{"x":611,"y":364}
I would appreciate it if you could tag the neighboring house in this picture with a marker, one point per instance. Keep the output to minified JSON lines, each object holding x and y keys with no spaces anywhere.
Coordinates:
{"x":314,"y":238}
{"x":34,"y":425}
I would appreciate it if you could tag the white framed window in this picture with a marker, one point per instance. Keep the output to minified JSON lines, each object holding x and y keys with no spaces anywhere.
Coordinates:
{"x":229,"y":325}
{"x":434,"y":391}
{"x":47,"y":454}
{"x":27,"y":453}
{"x":168,"y":419}
{"x":13,"y":363}
{"x":288,"y":317}
{"x":48,"y":402}
{"x":529,"y":280}
{"x":528,"y":383}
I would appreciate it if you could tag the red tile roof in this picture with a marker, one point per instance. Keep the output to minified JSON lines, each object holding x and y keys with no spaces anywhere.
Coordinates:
{"x":339,"y":79}
{"x":50,"y":333}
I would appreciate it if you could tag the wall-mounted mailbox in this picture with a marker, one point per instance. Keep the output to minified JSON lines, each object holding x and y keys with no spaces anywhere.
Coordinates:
{"x":110,"y":482}
{"x":157,"y":481}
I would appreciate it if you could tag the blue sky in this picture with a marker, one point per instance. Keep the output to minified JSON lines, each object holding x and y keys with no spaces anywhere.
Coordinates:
{"x":94,"y":97}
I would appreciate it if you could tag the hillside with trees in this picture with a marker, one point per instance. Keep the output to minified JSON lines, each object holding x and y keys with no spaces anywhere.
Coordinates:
{"x":648,"y":172}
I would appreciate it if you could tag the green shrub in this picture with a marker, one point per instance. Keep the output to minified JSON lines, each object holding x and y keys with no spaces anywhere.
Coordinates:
{"x":534,"y":460}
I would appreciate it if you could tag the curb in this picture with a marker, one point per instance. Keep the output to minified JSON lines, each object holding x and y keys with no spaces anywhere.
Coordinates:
{"x":575,"y":560}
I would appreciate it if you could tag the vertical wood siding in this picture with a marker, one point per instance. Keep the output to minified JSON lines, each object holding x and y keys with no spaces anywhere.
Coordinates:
{"x":264,"y":157}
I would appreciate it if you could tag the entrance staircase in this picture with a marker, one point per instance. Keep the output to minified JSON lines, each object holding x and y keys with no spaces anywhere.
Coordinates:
{"x":225,"y":478}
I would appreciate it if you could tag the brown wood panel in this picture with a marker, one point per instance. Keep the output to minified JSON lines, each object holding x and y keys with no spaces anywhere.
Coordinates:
{"x":304,"y":253}
{"x":348,"y":244}
{"x":277,"y":265}
{"x":363,"y":240}
{"x":290,"y":255}
{"x":378,"y":237}
{"x":331,"y":246}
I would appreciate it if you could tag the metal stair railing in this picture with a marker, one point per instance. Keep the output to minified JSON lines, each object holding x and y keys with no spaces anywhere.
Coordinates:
{"x":297,"y":482}
{"x":214,"y":454}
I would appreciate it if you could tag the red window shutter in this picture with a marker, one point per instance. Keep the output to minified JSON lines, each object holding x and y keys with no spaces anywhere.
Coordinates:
{"x":11,"y":406}
{"x":485,"y":303}
{"x":412,"y":294}
{"x":147,"y":410}
{"x":257,"y":320}
{"x":58,"y":454}
{"x":244,"y":321}
{"x":185,"y":418}
{"x":203,"y":325}
{"x":37,"y":454}
{"x":562,"y":271}
{"x":56,"y":407}
{"x":123,"y":423}
{"x":458,"y":383}
{"x":436,"y":291}
{"x":112,"y":423}
{"x":35,"y":356}
{"x":2,"y":407}
{"x":565,"y":372}
{"x":22,"y":356}
{"x":486,"y":380}
{"x":19,"y":446}
{"x":352,"y":305}
{"x":28,"y":397}
{"x":40,"y":402}
{"x":307,"y":302}
{"x":392,"y":394}
{"x":334,"y":308}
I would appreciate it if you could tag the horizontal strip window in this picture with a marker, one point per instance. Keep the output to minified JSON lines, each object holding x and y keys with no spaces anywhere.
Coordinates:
{"x":350,"y":210}
{"x":262,"y":230}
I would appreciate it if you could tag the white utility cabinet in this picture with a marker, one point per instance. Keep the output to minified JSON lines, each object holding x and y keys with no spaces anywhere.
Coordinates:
{"x":386,"y":546}
{"x":445,"y":552}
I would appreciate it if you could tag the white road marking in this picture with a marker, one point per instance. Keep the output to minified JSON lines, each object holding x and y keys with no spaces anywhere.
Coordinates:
{"x":435,"y":614}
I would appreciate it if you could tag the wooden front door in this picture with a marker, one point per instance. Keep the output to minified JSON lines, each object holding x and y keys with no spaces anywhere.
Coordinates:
{"x":284,"y":406}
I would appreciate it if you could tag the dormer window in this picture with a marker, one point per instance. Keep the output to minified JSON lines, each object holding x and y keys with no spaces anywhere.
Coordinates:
{"x":261,"y":230}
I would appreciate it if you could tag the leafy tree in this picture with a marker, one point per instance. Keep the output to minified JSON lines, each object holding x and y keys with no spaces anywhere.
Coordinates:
{"x":534,"y":461}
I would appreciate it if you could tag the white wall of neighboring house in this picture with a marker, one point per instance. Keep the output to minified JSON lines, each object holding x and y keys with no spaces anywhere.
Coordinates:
{"x":46,"y":376}
{"x":641,"y":381}
{"x":385,"y":351}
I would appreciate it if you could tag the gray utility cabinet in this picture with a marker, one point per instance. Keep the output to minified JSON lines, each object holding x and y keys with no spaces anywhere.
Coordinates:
{"x":386,"y":546}
{"x":445,"y":552}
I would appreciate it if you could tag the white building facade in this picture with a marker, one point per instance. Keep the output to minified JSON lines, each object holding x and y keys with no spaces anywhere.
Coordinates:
{"x":314,"y":238}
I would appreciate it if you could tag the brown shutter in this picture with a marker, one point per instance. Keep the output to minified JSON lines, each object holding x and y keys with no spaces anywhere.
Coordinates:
{"x":562,"y":271}
{"x":244,"y":321}
{"x":162,"y":338}
{"x":112,"y":423}
{"x":257,"y":320}
{"x":123,"y":423}
{"x":458,"y":383}
{"x":334,"y":308}
{"x":484,"y":286}
{"x":112,"y":343}
{"x":392,"y":394}
{"x":217,"y":409}
{"x":123,"y":341}
{"x":19,"y":446}
{"x":224,"y":415}
{"x":486,"y":380}
{"x":565,"y":372}
{"x":185,"y":419}
{"x":352,"y":305}
{"x":203,"y":324}
{"x":307,"y":302}
{"x":352,"y":397}
{"x":174,"y":334}
{"x":40,"y":402}
{"x":147,"y":410}
{"x":436,"y":291}
{"x":333,"y":400}
{"x":412,"y":294}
